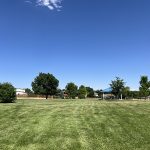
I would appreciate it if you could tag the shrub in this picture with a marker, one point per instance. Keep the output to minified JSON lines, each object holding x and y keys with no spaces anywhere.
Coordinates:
{"x":7,"y":93}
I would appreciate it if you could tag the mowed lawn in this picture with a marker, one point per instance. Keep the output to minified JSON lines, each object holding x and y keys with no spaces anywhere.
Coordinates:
{"x":75,"y":125}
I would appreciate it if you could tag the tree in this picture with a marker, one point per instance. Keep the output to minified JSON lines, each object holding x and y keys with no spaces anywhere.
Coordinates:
{"x":82,"y":92}
{"x":29,"y":92}
{"x":59,"y":93}
{"x":144,"y":86}
{"x":134,"y":94}
{"x":71,"y":90}
{"x":100,"y":93}
{"x":117,"y":86}
{"x":45,"y":84}
{"x":126,"y":92}
{"x":90,"y":92}
{"x":7,"y":93}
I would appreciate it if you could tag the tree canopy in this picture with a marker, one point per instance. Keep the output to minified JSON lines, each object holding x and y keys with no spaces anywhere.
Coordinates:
{"x":90,"y":92}
{"x":126,"y":92}
{"x":82,"y":92}
{"x":117,"y":86}
{"x":45,"y":84}
{"x":71,"y":90}
{"x":144,"y":86}
{"x":29,"y":91}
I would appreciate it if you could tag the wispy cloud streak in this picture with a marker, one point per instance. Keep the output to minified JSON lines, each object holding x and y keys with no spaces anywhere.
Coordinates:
{"x":51,"y":4}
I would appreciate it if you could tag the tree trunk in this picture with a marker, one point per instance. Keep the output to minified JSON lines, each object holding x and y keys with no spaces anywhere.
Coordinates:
{"x":46,"y":96}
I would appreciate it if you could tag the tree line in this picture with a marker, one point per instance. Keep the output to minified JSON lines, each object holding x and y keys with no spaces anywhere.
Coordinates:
{"x":46,"y":84}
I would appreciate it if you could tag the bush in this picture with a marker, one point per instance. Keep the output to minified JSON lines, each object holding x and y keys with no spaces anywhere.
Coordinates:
{"x":7,"y":93}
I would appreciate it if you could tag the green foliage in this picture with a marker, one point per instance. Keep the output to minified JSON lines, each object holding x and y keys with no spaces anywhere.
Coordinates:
{"x":45,"y":84}
{"x":82,"y":92}
{"x":90,"y":92}
{"x":134,"y":94}
{"x":59,"y":94}
{"x":117,"y":86}
{"x":7,"y":93}
{"x":100,"y":93}
{"x":29,"y":92}
{"x":125,"y":92}
{"x":71,"y":90}
{"x":144,"y":86}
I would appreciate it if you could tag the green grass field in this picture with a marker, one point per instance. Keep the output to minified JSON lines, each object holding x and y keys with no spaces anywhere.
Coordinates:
{"x":75,"y":125}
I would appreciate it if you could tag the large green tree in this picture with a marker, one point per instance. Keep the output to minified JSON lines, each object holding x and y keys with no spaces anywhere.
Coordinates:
{"x":117,"y":86}
{"x":82,"y":92}
{"x":71,"y":90}
{"x":144,"y":87}
{"x":45,"y":84}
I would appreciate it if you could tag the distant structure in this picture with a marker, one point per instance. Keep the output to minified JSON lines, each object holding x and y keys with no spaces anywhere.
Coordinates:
{"x":107,"y":93}
{"x":96,"y":94}
{"x":20,"y":92}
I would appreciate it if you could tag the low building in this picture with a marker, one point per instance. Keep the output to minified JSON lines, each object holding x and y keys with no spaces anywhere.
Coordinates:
{"x":96,"y":94}
{"x":20,"y":92}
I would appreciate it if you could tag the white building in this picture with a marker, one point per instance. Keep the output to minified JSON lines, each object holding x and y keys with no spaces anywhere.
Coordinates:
{"x":20,"y":92}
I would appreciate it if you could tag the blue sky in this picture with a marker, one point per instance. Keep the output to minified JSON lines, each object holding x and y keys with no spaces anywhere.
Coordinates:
{"x":87,"y":42}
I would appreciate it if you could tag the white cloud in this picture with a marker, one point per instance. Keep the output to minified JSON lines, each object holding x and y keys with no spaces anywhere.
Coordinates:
{"x":51,"y":4}
{"x":27,"y":1}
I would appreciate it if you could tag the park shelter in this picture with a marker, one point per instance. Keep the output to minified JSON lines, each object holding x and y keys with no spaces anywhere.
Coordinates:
{"x":107,"y":93}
